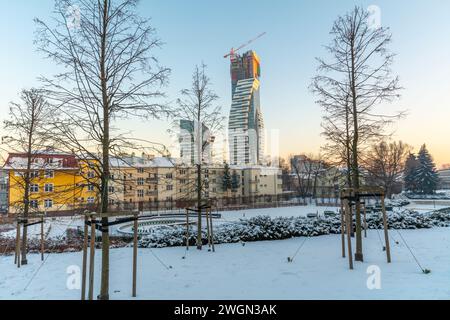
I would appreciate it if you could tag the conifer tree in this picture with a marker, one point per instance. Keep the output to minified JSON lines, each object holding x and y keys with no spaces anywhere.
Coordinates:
{"x":409,"y":173}
{"x":426,"y":177}
{"x":226,"y":179}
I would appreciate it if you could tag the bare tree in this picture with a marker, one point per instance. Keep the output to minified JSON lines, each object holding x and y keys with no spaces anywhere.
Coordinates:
{"x":385,"y":164}
{"x":358,"y":77}
{"x":337,"y":130}
{"x":28,"y":133}
{"x":201,"y":119}
{"x":307,"y":170}
{"x":109,"y":73}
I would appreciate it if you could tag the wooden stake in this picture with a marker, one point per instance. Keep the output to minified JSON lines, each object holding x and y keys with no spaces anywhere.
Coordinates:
{"x":42,"y":239}
{"x":208,"y":228}
{"x":212,"y":233}
{"x":187,"y":229}
{"x":386,"y":232}
{"x":15,"y":249}
{"x":92,"y":260}
{"x":135,"y":252}
{"x":17,"y":260}
{"x":85,"y":246}
{"x":365,"y":220}
{"x":343,"y":230}
{"x":349,"y":220}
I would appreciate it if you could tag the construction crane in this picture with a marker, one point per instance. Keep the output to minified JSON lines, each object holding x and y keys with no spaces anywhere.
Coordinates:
{"x":233,"y":51}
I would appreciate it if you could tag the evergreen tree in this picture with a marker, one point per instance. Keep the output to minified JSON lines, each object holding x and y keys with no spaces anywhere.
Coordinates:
{"x":426,"y":176}
{"x":410,"y":172}
{"x":226,"y":179}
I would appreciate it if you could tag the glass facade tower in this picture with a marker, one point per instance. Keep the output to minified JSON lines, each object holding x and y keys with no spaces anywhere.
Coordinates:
{"x":246,"y":125}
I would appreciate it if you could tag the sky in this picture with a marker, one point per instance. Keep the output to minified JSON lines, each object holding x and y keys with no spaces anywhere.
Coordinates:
{"x":205,"y":30}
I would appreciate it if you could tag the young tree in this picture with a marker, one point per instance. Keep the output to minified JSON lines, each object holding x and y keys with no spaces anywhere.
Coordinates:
{"x":226,"y":179}
{"x":426,"y":177}
{"x":410,"y":172}
{"x":357,"y":77}
{"x":197,"y":109}
{"x":385,"y":164}
{"x":28,"y":128}
{"x":109,"y":72}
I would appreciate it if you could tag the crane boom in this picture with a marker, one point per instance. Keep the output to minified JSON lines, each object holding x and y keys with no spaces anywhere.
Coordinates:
{"x":233,"y":51}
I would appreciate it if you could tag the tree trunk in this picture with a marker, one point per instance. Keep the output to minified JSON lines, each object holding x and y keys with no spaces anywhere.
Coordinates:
{"x":199,"y":205}
{"x":104,"y":291}
{"x":355,"y":164}
{"x":26,"y":199}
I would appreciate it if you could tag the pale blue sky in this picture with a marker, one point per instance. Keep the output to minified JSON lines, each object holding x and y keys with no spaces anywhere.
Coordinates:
{"x":204,"y":30}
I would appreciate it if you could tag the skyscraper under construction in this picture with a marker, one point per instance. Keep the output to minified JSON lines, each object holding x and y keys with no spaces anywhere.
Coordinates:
{"x":246,"y":125}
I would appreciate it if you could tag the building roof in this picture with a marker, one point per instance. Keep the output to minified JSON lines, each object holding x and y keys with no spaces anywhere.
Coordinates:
{"x":42,"y":160}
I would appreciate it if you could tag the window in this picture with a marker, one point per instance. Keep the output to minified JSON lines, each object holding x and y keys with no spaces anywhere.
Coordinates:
{"x":34,"y":174}
{"x":34,"y":188}
{"x":48,"y":204}
{"x":91,"y":200}
{"x":91,"y":187}
{"x":169,"y":188}
{"x":49,"y":174}
{"x":34,"y":204}
{"x":91,"y":174}
{"x":169,"y":176}
{"x":140,"y":181}
{"x":141,"y":170}
{"x":111,"y":189}
{"x":140,"y":193}
{"x":48,"y":187}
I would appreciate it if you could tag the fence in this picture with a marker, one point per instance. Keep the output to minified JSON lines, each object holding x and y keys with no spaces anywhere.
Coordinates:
{"x":219,"y":204}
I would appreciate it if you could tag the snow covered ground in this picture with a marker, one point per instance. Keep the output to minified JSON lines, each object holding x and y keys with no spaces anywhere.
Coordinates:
{"x":254,"y":271}
{"x":53,"y":228}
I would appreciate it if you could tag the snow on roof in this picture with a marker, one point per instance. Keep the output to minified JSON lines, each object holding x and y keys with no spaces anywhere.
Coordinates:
{"x":139,"y":162}
{"x":41,"y":161}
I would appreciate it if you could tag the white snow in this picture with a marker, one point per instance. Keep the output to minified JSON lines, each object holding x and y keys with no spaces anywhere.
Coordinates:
{"x":254,"y":271}
{"x":53,"y":228}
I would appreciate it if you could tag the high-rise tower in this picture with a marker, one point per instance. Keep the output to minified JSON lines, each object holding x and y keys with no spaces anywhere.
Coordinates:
{"x":246,"y":125}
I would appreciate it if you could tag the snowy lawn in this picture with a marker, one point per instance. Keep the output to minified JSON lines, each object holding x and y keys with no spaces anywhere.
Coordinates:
{"x":255,"y":271}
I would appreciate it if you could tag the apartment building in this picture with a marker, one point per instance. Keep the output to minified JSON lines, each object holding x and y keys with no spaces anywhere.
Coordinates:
{"x":64,"y":182}
{"x":56,"y":182}
{"x":3,"y":191}
{"x":444,"y":179}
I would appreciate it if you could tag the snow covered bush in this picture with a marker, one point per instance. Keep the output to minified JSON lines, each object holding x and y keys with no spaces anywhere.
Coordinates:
{"x":263,"y":228}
